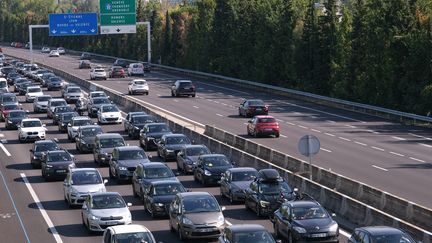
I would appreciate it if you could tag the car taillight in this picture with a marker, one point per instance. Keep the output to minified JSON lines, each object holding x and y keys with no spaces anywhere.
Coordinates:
{"x":265,"y":108}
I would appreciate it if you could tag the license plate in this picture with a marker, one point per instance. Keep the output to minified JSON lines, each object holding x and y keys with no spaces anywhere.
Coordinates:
{"x":268,"y":129}
{"x":258,"y":109}
{"x":111,"y":223}
{"x":61,"y":171}
{"x":205,"y":230}
{"x":319,"y":235}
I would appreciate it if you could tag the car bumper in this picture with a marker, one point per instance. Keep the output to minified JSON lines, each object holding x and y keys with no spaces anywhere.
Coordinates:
{"x":104,"y":158}
{"x":140,"y":91}
{"x":268,"y":131}
{"x":99,"y":77}
{"x":87,"y":147}
{"x":110,"y":119}
{"x":213,"y":179}
{"x":238,"y":196}
{"x":315,"y":237}
{"x":41,"y":108}
{"x":100,"y":225}
{"x":125,"y":175}
{"x":35,"y":137}
{"x":202,"y":232}
{"x":56,"y":173}
{"x":77,"y":199}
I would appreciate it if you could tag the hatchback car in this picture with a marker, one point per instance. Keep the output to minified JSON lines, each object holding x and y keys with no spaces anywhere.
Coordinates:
{"x":380,"y":234}
{"x":188,"y":156}
{"x":54,"y":53}
{"x":8,"y":98}
{"x":104,"y":145}
{"x":116,"y":72}
{"x":56,"y":164}
{"x":183,"y":87}
{"x":61,"y":50}
{"x":95,"y":94}
{"x":84,"y":64}
{"x":45,"y":49}
{"x":39,"y":149}
{"x":235,"y":180}
{"x":98,"y":73}
{"x":85,"y":137}
{"x":80,"y":182}
{"x":128,"y":233}
{"x":85,"y":56}
{"x":138,"y":86}
{"x":59,"y":110}
{"x":124,"y":161}
{"x":14,"y":118}
{"x":263,"y":125}
{"x":32,"y":92}
{"x":121,"y":62}
{"x":40,"y":103}
{"x":170,"y":145}
{"x":210,"y":167}
{"x":196,"y":215}
{"x":151,"y":134}
{"x":75,"y":123}
{"x":109,"y":114}
{"x":247,"y":233}
{"x":250,"y":108}
{"x":103,"y":209}
{"x":137,"y":123}
{"x":159,"y":195}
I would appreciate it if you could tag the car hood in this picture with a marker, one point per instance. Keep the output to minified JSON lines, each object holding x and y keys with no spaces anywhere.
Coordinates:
{"x":204,"y":217}
{"x":74,"y":93}
{"x":192,"y":158}
{"x":42,"y":103}
{"x":15,"y":120}
{"x":33,"y":129}
{"x":219,"y":169}
{"x":157,"y":135}
{"x":241,"y":184}
{"x":34,"y":93}
{"x":132,"y":162}
{"x":312,"y":224}
{"x":83,"y":189}
{"x":89,"y":140}
{"x":147,"y":181}
{"x":60,"y":165}
{"x":107,"y":150}
{"x":163,"y":199}
{"x":270,"y":197}
{"x":109,"y":114}
{"x":111,"y":212}
{"x":175,"y":146}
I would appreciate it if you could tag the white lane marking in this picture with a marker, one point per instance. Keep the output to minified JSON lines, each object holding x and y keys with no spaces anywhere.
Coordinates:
{"x":425,"y":145}
{"x":209,"y":100}
{"x":345,"y":233}
{"x":1,"y":135}
{"x":196,"y":107}
{"x":418,"y":160}
{"x":329,"y":134}
{"x":314,"y":130}
{"x":346,"y":139}
{"x":359,"y":143}
{"x":326,"y":150}
{"x":397,"y":154}
{"x":350,"y":126}
{"x":380,"y":168}
{"x":330,"y":121}
{"x":219,"y":93}
{"x":419,"y":136}
{"x":220,"y":87}
{"x":5,"y":150}
{"x":380,"y":149}
{"x":372,"y":131}
{"x":398,"y":138}
{"x":224,"y":104}
{"x":159,"y":95}
{"x":217,"y":102}
{"x":176,"y":101}
{"x":283,"y":136}
{"x":41,"y":209}
{"x":279,"y":120}
{"x":302,"y":126}
{"x":219,"y":115}
{"x":290,"y":123}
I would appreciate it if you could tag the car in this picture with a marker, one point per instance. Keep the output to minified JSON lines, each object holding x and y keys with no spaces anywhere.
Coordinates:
{"x":59,"y":110}
{"x":85,"y":56}
{"x":45,"y":49}
{"x":11,"y":77}
{"x":303,"y":221}
{"x":129,"y":118}
{"x":120,"y":62}
{"x":95,"y":94}
{"x":65,"y":86}
{"x":84,"y":64}
{"x":124,"y":161}
{"x":253,"y":107}
{"x":18,"y":82}
{"x":183,"y":87}
{"x":54,"y":83}
{"x":104,"y":145}
{"x":98,"y":73}
{"x":22,"y":87}
{"x":137,"y":123}
{"x":235,"y":180}
{"x":151,"y":134}
{"x":56,"y":164}
{"x":6,"y":70}
{"x":103,"y":209}
{"x":196,"y":215}
{"x":187,"y":157}
{"x":116,"y":72}
{"x":32,"y":92}
{"x":138,"y":86}
{"x":159,"y":195}
{"x":85,"y":137}
{"x":39,"y":149}
{"x":4,"y":85}
{"x":266,"y":193}
{"x":31,"y":129}
{"x":210,"y":167}
{"x":246,"y":233}
{"x":128,"y":233}
{"x":40,"y":103}
{"x":54,"y":53}
{"x":6,"y":108}
{"x":380,"y":234}
{"x":147,"y":68}
{"x":65,"y":119}
{"x":135,"y":69}
{"x":263,"y":125}
{"x":80,"y":182}
{"x":8,"y":98}
{"x":52,"y":104}
{"x":75,"y":123}
{"x":14,"y":117}
{"x":61,"y":50}
{"x":170,"y":144}
{"x":19,"y":45}
{"x":94,"y":105}
{"x":109,"y":114}
{"x":37,"y":75}
{"x":72,"y":94}
{"x":146,"y":173}
{"x":45,"y":78}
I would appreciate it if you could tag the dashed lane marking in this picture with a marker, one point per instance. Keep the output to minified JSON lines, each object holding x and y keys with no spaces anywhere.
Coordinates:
{"x":283,"y":136}
{"x":350,"y":126}
{"x":419,"y":136}
{"x":326,"y":150}
{"x":398,"y":138}
{"x":290,"y":123}
{"x":397,"y":154}
{"x":219,"y":115}
{"x":302,"y":127}
{"x":196,"y":107}
{"x":359,"y":143}
{"x":346,"y":139}
{"x":329,"y":134}
{"x":380,"y":168}
{"x":314,"y":130}
{"x":418,"y":160}
{"x":380,"y":149}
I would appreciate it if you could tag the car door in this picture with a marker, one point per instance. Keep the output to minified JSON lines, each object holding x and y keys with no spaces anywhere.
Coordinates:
{"x":114,"y":162}
{"x":283,"y":220}
{"x":161,"y":147}
{"x":225,"y":183}
{"x":96,"y":150}
{"x":251,"y":194}
{"x":147,"y":196}
{"x":181,"y":158}
{"x":174,"y":212}
{"x":136,"y":180}
{"x":242,"y":108}
{"x":86,"y":208}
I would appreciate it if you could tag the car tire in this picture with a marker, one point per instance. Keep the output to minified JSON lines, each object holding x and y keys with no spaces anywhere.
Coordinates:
{"x":172,"y":93}
{"x":180,"y":234}
{"x":203,"y":182}
{"x":172,"y":230}
{"x":111,"y":176}
{"x":146,"y":93}
{"x":193,"y":95}
{"x":277,"y":135}
{"x":248,"y":132}
{"x":290,"y":238}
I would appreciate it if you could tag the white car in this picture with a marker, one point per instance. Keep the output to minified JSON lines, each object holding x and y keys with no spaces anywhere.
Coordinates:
{"x":128,"y":233}
{"x":98,"y":73}
{"x":138,"y":86}
{"x":52,"y":104}
{"x":95,"y":94}
{"x":109,"y":114}
{"x":72,"y":94}
{"x":61,"y":50}
{"x":31,"y":129}
{"x":75,"y":124}
{"x":40,"y":103}
{"x":46,"y":49}
{"x":32,"y":92}
{"x":135,"y":69}
{"x":4,"y":86}
{"x":80,"y":182}
{"x":102,"y":209}
{"x":54,"y":53}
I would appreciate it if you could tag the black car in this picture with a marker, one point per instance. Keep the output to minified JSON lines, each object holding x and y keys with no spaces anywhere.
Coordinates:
{"x":170,"y":144}
{"x":64,"y":119}
{"x":11,"y":76}
{"x":250,"y":108}
{"x":59,"y":110}
{"x":267,"y":192}
{"x":247,"y":233}
{"x":188,"y":156}
{"x":210,"y":167}
{"x":124,"y":161}
{"x":22,"y":87}
{"x":85,"y":138}
{"x":56,"y":164}
{"x":380,"y":234}
{"x":40,"y":148}
{"x":121,"y":62}
{"x":137,"y":123}
{"x":45,"y":78}
{"x":85,"y":56}
{"x":235,"y":180}
{"x":6,"y":70}
{"x":129,"y":117}
{"x":94,"y":105}
{"x":303,"y":221}
{"x":151,"y":134}
{"x":146,"y":173}
{"x":104,"y":145}
{"x":159,"y":195}
{"x":183,"y":87}
{"x":14,"y":117}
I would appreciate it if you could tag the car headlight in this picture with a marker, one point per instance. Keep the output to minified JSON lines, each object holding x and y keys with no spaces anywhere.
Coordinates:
{"x":94,"y":217}
{"x":159,"y":205}
{"x":136,"y":128}
{"x":264,"y":203}
{"x":221,"y":219}
{"x":334,"y":228}
{"x":73,"y":191}
{"x":49,"y":166}
{"x":122,"y":168}
{"x":169,"y":151}
{"x":299,"y":229}
{"x":83,"y":142}
{"x":71,"y":166}
{"x":207,"y":173}
{"x":187,"y":221}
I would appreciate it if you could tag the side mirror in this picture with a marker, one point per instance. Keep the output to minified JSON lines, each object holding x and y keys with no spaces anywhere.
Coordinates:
{"x":333,"y":215}
{"x":65,"y":183}
{"x":177,"y":173}
{"x":223,"y":208}
{"x":69,"y":125}
{"x":129,"y":204}
{"x":44,"y":125}
{"x":105,"y":181}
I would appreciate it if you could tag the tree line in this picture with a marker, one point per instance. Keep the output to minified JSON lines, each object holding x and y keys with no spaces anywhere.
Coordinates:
{"x":377,"y":52}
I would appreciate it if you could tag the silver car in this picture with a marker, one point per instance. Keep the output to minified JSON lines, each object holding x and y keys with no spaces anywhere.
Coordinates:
{"x":80,"y":182}
{"x":72,"y":94}
{"x":103,"y":209}
{"x":75,"y":124}
{"x":40,"y":103}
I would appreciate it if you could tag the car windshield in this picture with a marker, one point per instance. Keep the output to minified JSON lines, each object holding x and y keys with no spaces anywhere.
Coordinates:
{"x":6,"y":99}
{"x":101,"y":101}
{"x":17,"y":114}
{"x":59,"y":157}
{"x":74,"y":90}
{"x":91,"y":132}
{"x":215,"y":161}
{"x":143,"y":119}
{"x":256,"y":236}
{"x":266,"y":120}
{"x":34,"y":90}
{"x":137,"y":237}
{"x":308,"y":212}
{"x":99,"y":71}
{"x":274,"y":188}
{"x":111,"y":142}
{"x":256,"y":103}
{"x":197,"y":151}
{"x":200,"y":204}
{"x":67,"y":117}
{"x":158,"y":172}
{"x":45,"y":147}
{"x":159,"y":128}
{"x":110,"y":108}
{"x":140,"y":82}
{"x":82,"y":122}
{"x":178,"y":140}
{"x":58,"y":103}
{"x":86,"y":178}
{"x":63,"y":109}
{"x":94,"y":95}
{"x":244,"y":175}
{"x":167,"y":189}
{"x":392,"y":238}
{"x":132,"y":154}
{"x":43,"y":98}
{"x":107,"y":201}
{"x":31,"y":124}
{"x":11,"y":107}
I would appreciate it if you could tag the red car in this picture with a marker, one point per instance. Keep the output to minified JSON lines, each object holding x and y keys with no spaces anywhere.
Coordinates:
{"x":263,"y":125}
{"x":6,"y":108}
{"x":116,"y":71}
{"x":250,"y":108}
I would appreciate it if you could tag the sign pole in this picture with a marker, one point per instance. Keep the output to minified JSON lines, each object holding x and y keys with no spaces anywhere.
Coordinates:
{"x":148,"y":42}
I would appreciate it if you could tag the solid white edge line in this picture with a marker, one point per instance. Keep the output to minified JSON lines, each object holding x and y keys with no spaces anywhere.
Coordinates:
{"x":380,"y":149}
{"x":344,"y":233}
{"x":379,"y":168}
{"x":41,"y":209}
{"x":418,"y":160}
{"x":327,"y":150}
{"x":425,"y":145}
{"x":5,"y":150}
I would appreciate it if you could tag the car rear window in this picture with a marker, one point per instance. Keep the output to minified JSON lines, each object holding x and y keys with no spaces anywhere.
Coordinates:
{"x":266,"y":120}
{"x":256,"y":102}
{"x":185,"y":84}
{"x":99,"y":70}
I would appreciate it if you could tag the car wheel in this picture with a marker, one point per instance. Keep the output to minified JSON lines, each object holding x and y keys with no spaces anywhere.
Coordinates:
{"x":129,"y":92}
{"x":20,"y":140}
{"x":178,"y":167}
{"x":277,"y":135}
{"x":82,"y":220}
{"x":203,"y":182}
{"x":180,"y":234}
{"x":172,"y":93}
{"x":146,"y":93}
{"x":248,"y":132}
{"x":76,"y":147}
{"x":88,"y":226}
{"x":246,"y":205}
{"x":151,"y":212}
{"x":110,"y":173}
{"x":193,"y":95}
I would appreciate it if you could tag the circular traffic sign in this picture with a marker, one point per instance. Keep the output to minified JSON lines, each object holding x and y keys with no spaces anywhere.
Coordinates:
{"x":309,"y":145}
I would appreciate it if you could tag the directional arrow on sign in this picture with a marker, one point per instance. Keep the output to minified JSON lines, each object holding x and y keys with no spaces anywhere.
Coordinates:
{"x":54,"y":31}
{"x":73,"y":31}
{"x":92,"y":30}
{"x":118,"y":30}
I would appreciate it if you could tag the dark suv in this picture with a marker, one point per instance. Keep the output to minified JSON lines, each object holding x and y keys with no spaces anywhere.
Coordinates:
{"x":183,"y":87}
{"x":124,"y":161}
{"x":104,"y":146}
{"x":151,"y":134}
{"x":210,"y":167}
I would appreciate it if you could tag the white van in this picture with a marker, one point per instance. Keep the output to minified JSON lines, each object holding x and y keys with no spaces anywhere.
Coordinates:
{"x":135,"y":69}
{"x":3,"y":86}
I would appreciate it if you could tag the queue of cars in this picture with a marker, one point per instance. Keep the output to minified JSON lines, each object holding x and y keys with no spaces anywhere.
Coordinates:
{"x":295,"y":216}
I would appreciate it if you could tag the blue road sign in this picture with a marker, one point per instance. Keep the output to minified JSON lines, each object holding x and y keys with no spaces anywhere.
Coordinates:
{"x":73,"y":24}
